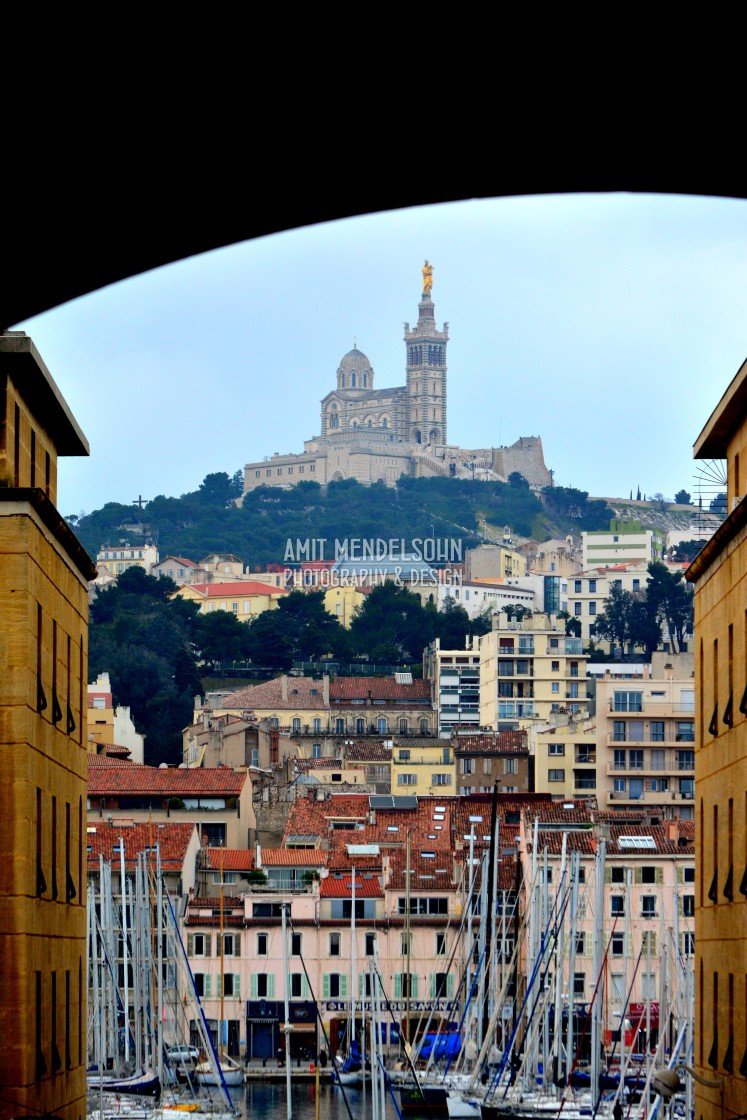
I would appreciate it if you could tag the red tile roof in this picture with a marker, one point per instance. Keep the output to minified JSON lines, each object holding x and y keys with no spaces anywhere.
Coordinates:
{"x":501,"y":742}
{"x":293,"y":857}
{"x":230,"y":859}
{"x":244,"y":587}
{"x":172,"y":838}
{"x":303,"y":693}
{"x":109,"y":777}
{"x":343,"y":888}
{"x":380,"y":688}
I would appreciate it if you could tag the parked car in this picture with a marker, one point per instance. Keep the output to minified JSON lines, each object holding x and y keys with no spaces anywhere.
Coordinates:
{"x":183,"y":1055}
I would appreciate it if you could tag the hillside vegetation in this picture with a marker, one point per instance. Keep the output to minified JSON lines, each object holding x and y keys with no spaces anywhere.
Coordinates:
{"x":208,"y":520}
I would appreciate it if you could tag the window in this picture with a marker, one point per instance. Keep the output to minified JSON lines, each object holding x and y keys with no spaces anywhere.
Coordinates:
{"x":405,"y":944}
{"x":334,"y":944}
{"x":635,"y":760}
{"x":617,"y":906}
{"x":556,"y":775}
{"x":316,"y":750}
{"x":649,"y":985}
{"x":405,"y":984}
{"x":592,"y":587}
{"x":296,"y":725}
{"x":556,"y":750}
{"x":440,"y":944}
{"x":649,"y":875}
{"x":657,"y":730}
{"x":577,"y":586}
{"x":200,"y":945}
{"x":555,"y":686}
{"x":592,"y":608}
{"x":468,"y":765}
{"x":382,"y":725}
{"x":370,"y":944}
{"x":688,"y":944}
{"x":628,"y":701}
{"x":617,"y":874}
{"x":441,"y":779}
{"x":685,"y":732}
{"x":555,"y":666}
{"x":339,"y":726}
{"x":297,"y":985}
{"x":202,"y":988}
{"x":617,"y":944}
{"x":296,"y":944}
{"x":579,"y":983}
{"x":231,"y":985}
{"x":685,"y":760}
{"x":316,"y":725}
{"x":577,"y":610}
{"x":231,"y":945}
{"x":581,"y":944}
{"x":261,"y":944}
{"x":510,"y":766}
{"x":404,"y":756}
{"x":648,"y":906}
{"x":620,"y":759}
{"x":658,"y":759}
{"x":688,"y":905}
{"x":407,"y":779}
{"x":334,"y":985}
{"x":620,"y":785}
{"x":360,"y":727}
{"x":264,"y":985}
{"x":688,"y":874}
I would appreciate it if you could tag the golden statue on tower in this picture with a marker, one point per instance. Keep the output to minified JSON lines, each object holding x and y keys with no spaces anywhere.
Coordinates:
{"x":427,"y":278}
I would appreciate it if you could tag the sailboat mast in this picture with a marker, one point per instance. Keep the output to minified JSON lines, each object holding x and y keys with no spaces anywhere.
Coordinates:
{"x":123,"y":892}
{"x":284,"y":907}
{"x":352,"y":964}
{"x":407,"y":944}
{"x":221,"y":1022}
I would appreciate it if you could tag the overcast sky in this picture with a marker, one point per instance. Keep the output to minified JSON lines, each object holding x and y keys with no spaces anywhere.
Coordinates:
{"x":609,"y":325}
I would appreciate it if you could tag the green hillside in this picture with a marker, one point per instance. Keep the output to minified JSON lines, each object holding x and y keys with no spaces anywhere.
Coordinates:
{"x":208,"y":520}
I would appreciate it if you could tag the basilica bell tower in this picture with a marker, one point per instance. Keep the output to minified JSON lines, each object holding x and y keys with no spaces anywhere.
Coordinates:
{"x":426,"y":372}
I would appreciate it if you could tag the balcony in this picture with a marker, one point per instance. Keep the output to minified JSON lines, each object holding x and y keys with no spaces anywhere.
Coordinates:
{"x":589,"y":759}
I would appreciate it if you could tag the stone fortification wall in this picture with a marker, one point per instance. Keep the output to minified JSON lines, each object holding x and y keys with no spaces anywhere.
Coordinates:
{"x":525,"y":456}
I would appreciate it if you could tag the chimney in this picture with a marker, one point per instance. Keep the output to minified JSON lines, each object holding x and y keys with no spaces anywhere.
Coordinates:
{"x":325,"y":689}
{"x":673,"y":830}
{"x":259,"y":855}
{"x":284,"y":687}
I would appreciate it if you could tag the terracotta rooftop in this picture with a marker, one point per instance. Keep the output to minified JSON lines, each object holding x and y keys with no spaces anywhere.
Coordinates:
{"x":240,"y":587}
{"x":501,"y":742}
{"x":368,"y":752}
{"x":343,"y":888}
{"x":173,"y":838}
{"x":302,"y":693}
{"x":230,"y":859}
{"x":293,"y":857}
{"x":378,"y":688}
{"x":109,"y":777}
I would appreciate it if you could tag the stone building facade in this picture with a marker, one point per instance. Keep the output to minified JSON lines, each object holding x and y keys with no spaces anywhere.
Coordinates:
{"x":44,"y":574}
{"x":378,"y":435}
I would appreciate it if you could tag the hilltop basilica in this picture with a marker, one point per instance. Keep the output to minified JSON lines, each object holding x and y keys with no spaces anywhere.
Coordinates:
{"x":377,"y":435}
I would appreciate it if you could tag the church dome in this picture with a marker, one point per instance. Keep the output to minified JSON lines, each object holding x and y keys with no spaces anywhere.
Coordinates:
{"x":355,"y":371}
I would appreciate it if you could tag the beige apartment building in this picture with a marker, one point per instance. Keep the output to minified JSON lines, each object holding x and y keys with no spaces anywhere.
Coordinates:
{"x":623,"y":542}
{"x":565,"y":757}
{"x":529,"y":670}
{"x":646,"y":738}
{"x":454,"y":675}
